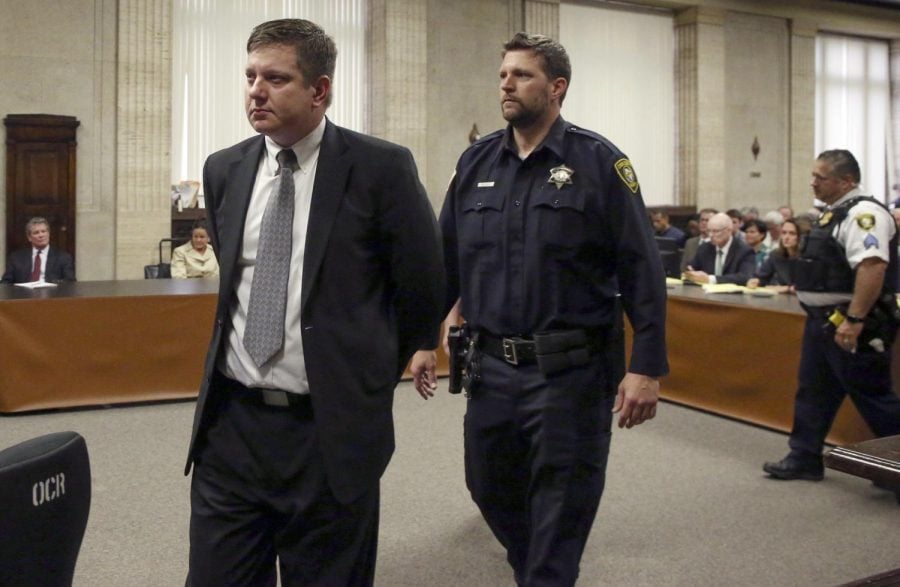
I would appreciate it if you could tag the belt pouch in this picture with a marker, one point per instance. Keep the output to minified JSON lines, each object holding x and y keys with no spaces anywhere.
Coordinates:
{"x":559,"y":350}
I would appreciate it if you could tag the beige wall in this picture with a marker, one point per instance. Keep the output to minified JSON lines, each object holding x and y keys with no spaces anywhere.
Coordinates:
{"x":756,"y":109}
{"x":465,"y":39}
{"x":745,"y":70}
{"x":59,"y":58}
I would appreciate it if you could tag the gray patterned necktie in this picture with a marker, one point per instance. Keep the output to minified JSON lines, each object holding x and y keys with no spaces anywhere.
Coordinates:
{"x":719,"y":262}
{"x":264,"y":331}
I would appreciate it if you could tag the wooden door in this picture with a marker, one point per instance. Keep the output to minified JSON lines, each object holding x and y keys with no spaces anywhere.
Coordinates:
{"x":40,"y":177}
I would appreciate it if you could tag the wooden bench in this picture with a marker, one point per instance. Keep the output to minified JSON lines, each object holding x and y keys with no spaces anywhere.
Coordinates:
{"x":877,"y":460}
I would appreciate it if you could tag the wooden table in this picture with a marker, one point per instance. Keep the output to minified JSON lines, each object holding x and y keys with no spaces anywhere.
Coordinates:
{"x":738,"y":355}
{"x":877,"y":460}
{"x":103,"y":342}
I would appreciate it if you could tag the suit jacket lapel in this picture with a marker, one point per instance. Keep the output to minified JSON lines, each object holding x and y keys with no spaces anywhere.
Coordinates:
{"x":729,"y":258}
{"x":241,"y":175}
{"x":51,"y":261}
{"x":332,"y":173}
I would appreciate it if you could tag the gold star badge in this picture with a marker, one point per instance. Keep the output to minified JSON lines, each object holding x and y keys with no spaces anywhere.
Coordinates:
{"x":560,"y":176}
{"x":825,"y":218}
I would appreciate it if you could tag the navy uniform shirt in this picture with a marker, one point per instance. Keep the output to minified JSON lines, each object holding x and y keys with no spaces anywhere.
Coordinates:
{"x":549,"y":242}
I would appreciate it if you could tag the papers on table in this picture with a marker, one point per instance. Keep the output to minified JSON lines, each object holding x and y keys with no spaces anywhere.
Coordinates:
{"x":726,"y":288}
{"x":35,"y":284}
{"x":723,"y":288}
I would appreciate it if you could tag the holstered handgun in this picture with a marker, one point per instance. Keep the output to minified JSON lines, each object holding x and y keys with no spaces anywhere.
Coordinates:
{"x":463,"y":369}
{"x":457,"y":346}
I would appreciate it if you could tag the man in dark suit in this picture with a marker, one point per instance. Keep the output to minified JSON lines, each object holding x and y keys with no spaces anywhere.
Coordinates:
{"x":692,"y":244}
{"x":39,"y":262}
{"x":724,"y":259}
{"x":289,"y":443}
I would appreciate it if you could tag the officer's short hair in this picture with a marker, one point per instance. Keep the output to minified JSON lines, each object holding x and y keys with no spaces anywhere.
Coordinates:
{"x":556,"y":60}
{"x":316,"y":51}
{"x":842,"y":163}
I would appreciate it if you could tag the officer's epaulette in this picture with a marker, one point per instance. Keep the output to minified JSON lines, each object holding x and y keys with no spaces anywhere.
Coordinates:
{"x":488,"y":137}
{"x":595,"y":136}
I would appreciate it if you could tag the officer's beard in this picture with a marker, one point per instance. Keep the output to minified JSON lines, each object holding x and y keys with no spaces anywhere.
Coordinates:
{"x":524,"y":116}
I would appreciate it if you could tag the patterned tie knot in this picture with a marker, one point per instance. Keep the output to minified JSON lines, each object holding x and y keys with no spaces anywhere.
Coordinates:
{"x":287,"y":158}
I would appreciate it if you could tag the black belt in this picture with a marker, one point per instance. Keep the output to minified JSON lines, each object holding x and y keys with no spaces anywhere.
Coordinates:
{"x":277,"y":398}
{"x":515,"y":350}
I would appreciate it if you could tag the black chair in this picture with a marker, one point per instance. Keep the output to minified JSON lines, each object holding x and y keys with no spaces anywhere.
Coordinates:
{"x":670,"y":255}
{"x":162,"y":270}
{"x":45,"y":492}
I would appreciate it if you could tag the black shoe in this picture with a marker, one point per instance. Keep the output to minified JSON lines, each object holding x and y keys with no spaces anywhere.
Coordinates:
{"x":789,"y":469}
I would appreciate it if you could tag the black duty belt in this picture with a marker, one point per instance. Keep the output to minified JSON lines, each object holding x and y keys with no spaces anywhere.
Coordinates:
{"x":515,"y":350}
{"x":552,"y":351}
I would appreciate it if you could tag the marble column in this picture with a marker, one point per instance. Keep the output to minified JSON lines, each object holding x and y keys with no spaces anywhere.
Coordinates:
{"x":143,"y":137}
{"x":894,"y":131}
{"x":802,"y":113}
{"x":398,"y":73}
{"x":542,"y":17}
{"x":700,"y":107}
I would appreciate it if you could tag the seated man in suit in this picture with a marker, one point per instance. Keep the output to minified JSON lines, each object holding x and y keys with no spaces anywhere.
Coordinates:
{"x":724,"y":259}
{"x":39,"y":262}
{"x":692,"y":244}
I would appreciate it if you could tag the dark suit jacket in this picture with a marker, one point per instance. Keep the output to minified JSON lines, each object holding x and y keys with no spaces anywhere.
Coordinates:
{"x":690,"y":249}
{"x":739,"y":266}
{"x":372,"y":291}
{"x":59,"y":267}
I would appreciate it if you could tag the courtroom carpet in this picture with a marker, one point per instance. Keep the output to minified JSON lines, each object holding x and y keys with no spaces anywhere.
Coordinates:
{"x":686,"y":504}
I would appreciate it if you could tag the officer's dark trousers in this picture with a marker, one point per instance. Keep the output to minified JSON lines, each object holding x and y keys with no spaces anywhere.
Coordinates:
{"x":259,"y":492}
{"x":535,"y":453}
{"x":829,"y":373}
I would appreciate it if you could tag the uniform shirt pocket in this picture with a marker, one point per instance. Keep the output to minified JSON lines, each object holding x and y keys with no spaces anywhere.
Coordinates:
{"x":560,"y":215}
{"x":481,"y":223}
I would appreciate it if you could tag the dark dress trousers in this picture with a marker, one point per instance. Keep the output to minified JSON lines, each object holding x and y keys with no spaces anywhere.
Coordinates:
{"x":739,"y":265}
{"x":59,"y":266}
{"x":371,"y":295}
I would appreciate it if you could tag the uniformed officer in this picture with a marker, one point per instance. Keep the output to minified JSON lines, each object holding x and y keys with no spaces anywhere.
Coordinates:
{"x":544,"y":232}
{"x":845,"y":280}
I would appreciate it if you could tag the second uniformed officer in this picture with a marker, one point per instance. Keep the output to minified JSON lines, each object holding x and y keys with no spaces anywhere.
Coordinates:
{"x":545,"y":230}
{"x":845,"y":278}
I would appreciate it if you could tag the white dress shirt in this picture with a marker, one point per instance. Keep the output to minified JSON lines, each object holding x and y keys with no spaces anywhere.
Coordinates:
{"x":286,"y":370}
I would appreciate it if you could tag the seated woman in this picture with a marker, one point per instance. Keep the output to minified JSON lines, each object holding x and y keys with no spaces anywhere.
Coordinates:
{"x":755,"y":236}
{"x":775,"y":271}
{"x":196,"y":258}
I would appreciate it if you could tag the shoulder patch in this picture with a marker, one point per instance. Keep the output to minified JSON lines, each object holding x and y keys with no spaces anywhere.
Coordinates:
{"x":627,"y":174}
{"x":865,"y":221}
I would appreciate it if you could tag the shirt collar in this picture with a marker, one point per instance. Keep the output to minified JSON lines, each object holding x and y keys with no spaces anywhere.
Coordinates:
{"x":306,"y":149}
{"x":851,"y":194}
{"x":554,"y":140}
{"x":726,"y":247}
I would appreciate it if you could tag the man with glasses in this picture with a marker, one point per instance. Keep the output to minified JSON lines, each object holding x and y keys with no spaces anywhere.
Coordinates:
{"x":724,"y":259}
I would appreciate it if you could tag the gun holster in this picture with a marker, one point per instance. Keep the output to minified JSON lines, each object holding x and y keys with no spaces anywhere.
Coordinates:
{"x":464,"y":369}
